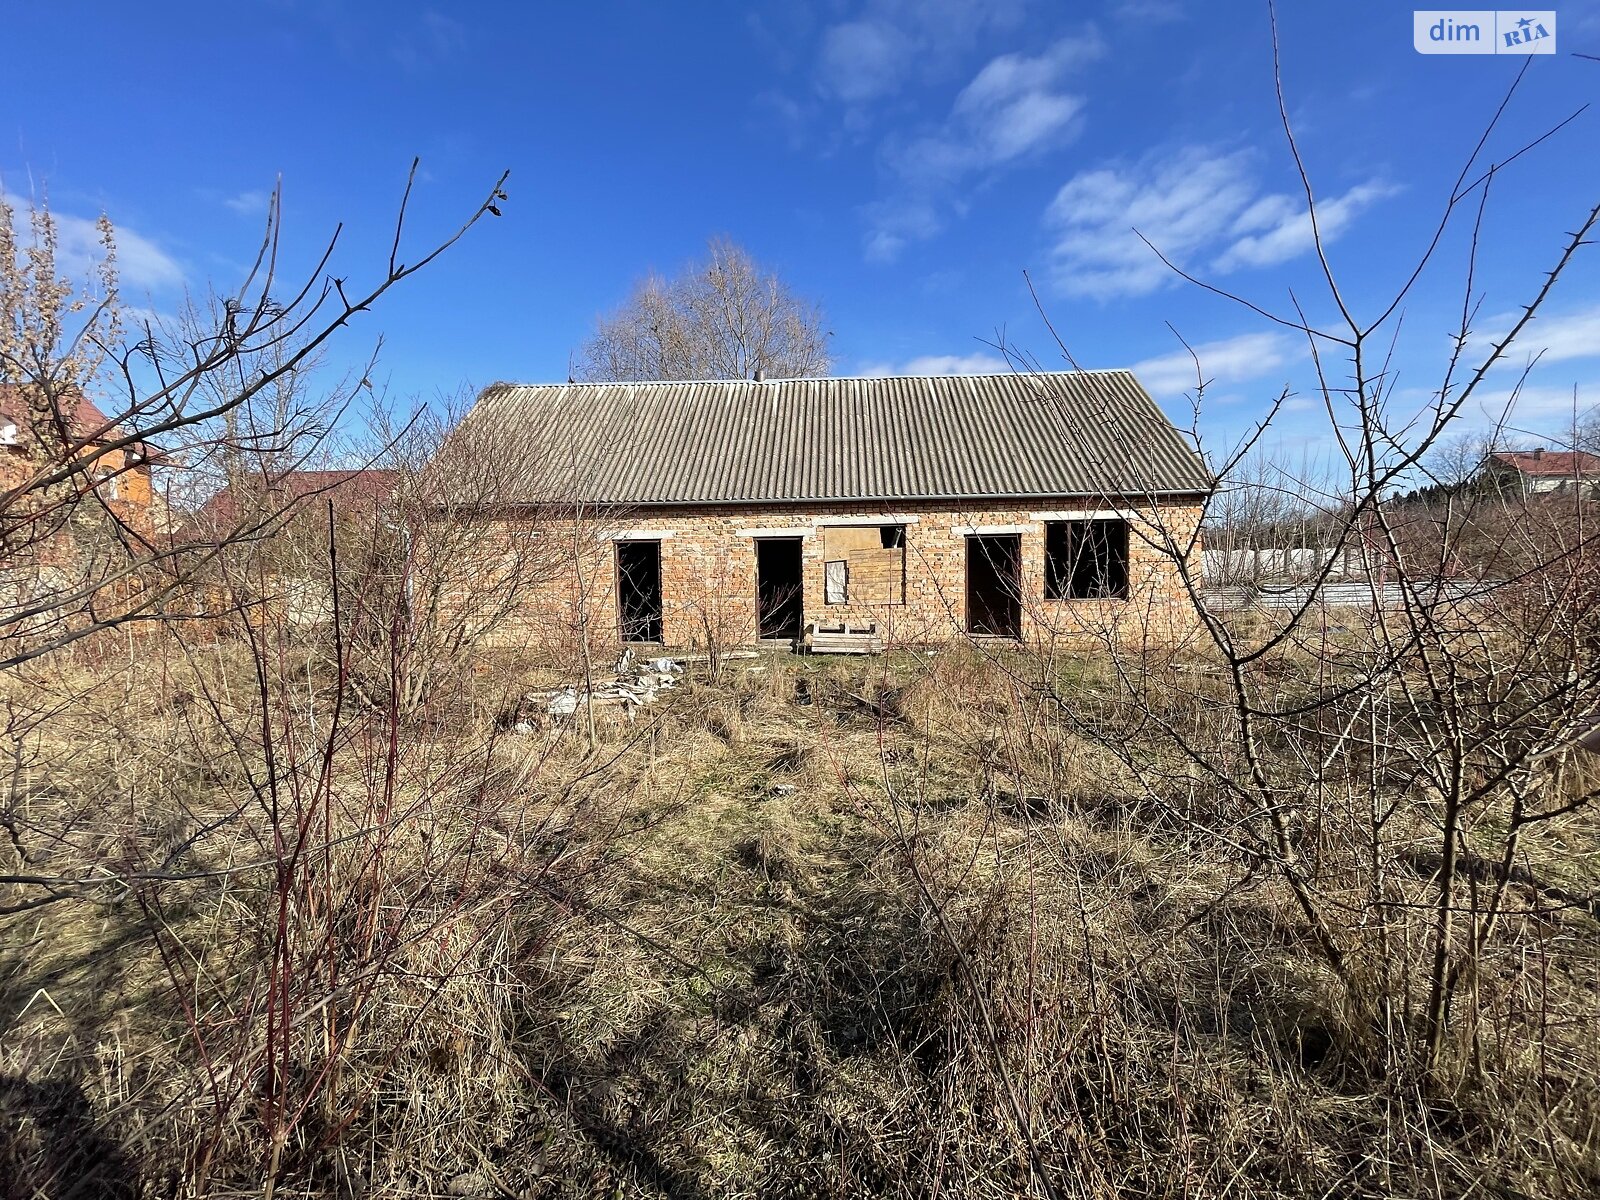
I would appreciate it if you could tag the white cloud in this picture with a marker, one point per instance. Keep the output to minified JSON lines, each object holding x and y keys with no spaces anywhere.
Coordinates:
{"x":1571,"y":335}
{"x":977,"y":363}
{"x":1180,"y":203}
{"x":888,"y":43}
{"x":1195,"y":206}
{"x":137,"y":316}
{"x":1222,"y":363}
{"x":895,"y":224}
{"x":141,"y":264}
{"x":1547,"y":406}
{"x":1277,"y":228}
{"x":249,"y":204}
{"x":1552,"y":339}
{"x":1013,"y":106}
{"x":1011,"y":76}
{"x":882,"y":246}
{"x":1017,"y":105}
{"x":862,"y":60}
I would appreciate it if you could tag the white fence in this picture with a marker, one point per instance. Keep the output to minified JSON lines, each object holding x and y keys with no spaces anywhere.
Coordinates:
{"x":1225,"y":567}
{"x":1365,"y":593}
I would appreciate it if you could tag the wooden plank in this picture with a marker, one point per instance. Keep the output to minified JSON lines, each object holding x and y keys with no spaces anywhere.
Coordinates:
{"x":877,"y":575}
{"x":846,"y":648}
{"x":846,"y":643}
{"x":848,"y":540}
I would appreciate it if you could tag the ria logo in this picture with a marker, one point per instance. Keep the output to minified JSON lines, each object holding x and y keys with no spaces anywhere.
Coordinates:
{"x":1529,"y":30}
{"x":1484,"y":31}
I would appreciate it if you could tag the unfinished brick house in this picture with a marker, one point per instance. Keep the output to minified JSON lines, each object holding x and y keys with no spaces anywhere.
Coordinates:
{"x":921,"y":508}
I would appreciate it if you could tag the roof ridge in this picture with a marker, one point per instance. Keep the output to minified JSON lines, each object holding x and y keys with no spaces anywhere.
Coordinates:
{"x":579,"y":383}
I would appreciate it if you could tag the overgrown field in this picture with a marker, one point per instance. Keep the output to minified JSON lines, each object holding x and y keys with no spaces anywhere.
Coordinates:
{"x":890,"y":927}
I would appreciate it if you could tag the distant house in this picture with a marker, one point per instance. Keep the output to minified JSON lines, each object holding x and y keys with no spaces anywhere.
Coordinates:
{"x":353,"y":493}
{"x":1008,"y":506}
{"x":120,"y":477}
{"x":1534,"y":472}
{"x":293,"y":584}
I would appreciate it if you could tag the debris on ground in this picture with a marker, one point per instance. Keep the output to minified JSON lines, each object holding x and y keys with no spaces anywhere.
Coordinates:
{"x":630,"y":685}
{"x":884,"y":704}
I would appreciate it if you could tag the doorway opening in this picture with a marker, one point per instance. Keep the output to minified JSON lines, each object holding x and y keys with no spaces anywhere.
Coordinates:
{"x":639,"y":591}
{"x":994,"y":585}
{"x":780,"y":589}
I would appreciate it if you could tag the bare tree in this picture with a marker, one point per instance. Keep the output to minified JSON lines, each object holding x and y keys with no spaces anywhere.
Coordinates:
{"x":1388,"y":767}
{"x":724,"y":318}
{"x":316,"y":821}
{"x":1399,"y":778}
{"x":1273,"y":519}
{"x":1588,"y":431}
{"x":1459,"y":458}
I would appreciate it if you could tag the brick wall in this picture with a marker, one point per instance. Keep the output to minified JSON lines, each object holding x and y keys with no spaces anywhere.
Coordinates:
{"x":127,"y":489}
{"x":708,"y":572}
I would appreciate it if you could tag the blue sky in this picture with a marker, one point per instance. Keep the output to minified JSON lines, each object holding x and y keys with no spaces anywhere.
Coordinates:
{"x":901,"y":162}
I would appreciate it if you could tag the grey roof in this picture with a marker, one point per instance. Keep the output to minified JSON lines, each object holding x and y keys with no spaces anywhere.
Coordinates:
{"x":1046,"y":434}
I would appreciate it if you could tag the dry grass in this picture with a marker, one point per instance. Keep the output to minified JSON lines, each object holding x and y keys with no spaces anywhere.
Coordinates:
{"x":822,"y":928}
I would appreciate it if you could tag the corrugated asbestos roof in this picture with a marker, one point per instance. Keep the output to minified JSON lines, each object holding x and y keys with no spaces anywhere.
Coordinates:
{"x":1054,"y":434}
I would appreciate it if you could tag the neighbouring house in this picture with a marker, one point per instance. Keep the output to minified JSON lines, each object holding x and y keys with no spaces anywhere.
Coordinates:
{"x":120,"y":474}
{"x":1005,"y":506}
{"x":77,"y":503}
{"x":1535,"y":472}
{"x":282,"y":519}
{"x":354,"y":493}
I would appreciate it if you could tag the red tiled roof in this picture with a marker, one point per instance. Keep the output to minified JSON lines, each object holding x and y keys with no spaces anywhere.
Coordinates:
{"x":372,"y":483}
{"x":1550,"y":464}
{"x":81,"y":413}
{"x":83,"y":417}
